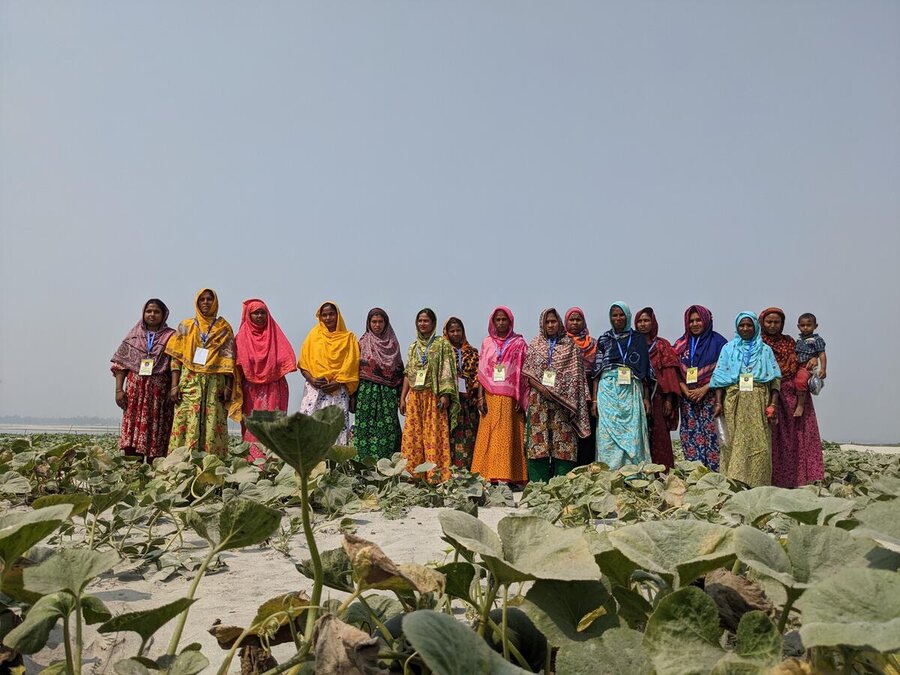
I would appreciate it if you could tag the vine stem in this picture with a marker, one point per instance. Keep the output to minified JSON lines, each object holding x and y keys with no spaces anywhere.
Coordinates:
{"x":182,"y":619}
{"x":318,"y":572}
{"x":503,"y":636}
{"x":78,"y":638}
{"x":67,"y":643}
{"x":787,"y":610}
{"x":488,"y":604}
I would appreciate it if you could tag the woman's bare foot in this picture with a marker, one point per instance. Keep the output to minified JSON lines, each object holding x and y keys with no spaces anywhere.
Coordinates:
{"x":798,"y":411}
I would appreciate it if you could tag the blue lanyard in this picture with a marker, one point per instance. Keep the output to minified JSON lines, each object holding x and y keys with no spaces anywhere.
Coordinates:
{"x":694,"y":344}
{"x":747,"y":358}
{"x":459,"y":361}
{"x":552,"y":345}
{"x":502,"y":347}
{"x":151,"y":338}
{"x":627,"y":347}
{"x":652,"y":345}
{"x":423,"y":357}
{"x":204,"y":336}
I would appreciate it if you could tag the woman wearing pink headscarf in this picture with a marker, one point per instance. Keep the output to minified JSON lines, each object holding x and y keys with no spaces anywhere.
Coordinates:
{"x":264,"y":356}
{"x":503,"y":398}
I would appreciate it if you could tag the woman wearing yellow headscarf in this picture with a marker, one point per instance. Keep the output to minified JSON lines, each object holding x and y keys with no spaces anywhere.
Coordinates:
{"x":329,"y":360}
{"x":203,"y":378}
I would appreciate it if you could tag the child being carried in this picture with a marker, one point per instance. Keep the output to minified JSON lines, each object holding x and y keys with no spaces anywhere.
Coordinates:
{"x":810,"y":352}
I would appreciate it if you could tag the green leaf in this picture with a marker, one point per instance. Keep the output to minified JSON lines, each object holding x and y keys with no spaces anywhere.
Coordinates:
{"x":13,"y":483}
{"x":758,"y":639}
{"x":340,"y":453}
{"x":881,"y":522}
{"x":857,"y":608}
{"x":558,"y":607}
{"x":679,"y":550}
{"x":94,"y":610}
{"x":80,"y":502}
{"x":68,"y":570}
{"x":801,"y":505}
{"x":31,"y":635}
{"x":338,"y":573}
{"x":21,"y":530}
{"x":450,"y":648}
{"x":617,"y":652}
{"x":278,"y":611}
{"x":146,"y":621}
{"x":243,"y":522}
{"x":468,"y":534}
{"x":186,"y":663}
{"x":459,"y":580}
{"x":300,"y":440}
{"x":131,"y":667}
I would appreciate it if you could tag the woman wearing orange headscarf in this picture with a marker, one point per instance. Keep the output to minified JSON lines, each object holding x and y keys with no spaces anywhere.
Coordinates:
{"x":203,"y":378}
{"x":329,"y":361}
{"x":577,"y":329}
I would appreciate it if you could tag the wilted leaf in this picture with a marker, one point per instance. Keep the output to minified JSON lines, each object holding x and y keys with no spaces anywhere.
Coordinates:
{"x":68,"y":569}
{"x":300,"y":440}
{"x":558,"y":607}
{"x":617,"y":652}
{"x":146,"y":621}
{"x":342,"y":649}
{"x":276,"y":612}
{"x":373,"y":569}
{"x":13,"y":483}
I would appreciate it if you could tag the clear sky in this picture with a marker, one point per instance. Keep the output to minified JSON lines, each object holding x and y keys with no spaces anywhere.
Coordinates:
{"x":451,"y":154}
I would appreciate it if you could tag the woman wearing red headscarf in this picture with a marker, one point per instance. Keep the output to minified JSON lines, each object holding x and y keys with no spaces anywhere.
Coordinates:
{"x":264,"y":356}
{"x":577,"y":329}
{"x":665,"y":390}
{"x":796,"y":444}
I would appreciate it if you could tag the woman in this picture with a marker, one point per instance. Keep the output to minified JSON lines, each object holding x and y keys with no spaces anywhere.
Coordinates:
{"x":665,"y":388}
{"x":577,"y":329}
{"x":265,"y":357}
{"x":796,"y":444}
{"x":746,"y":381}
{"x":698,"y":352}
{"x":329,"y":361}
{"x":557,"y":403}
{"x":429,"y":399}
{"x":502,"y":400}
{"x":380,"y":377}
{"x":203,"y":378}
{"x":619,"y":395}
{"x":462,"y":439}
{"x":141,"y":369}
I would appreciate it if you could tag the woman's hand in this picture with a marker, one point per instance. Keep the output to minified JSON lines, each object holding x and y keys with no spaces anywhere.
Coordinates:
{"x":225,"y":395}
{"x":667,"y":407}
{"x":594,"y":408}
{"x":403,"y":405}
{"x":331,"y":387}
{"x":647,"y":407}
{"x":121,"y":399}
{"x":717,"y":410}
{"x":352,"y":405}
{"x":175,"y":394}
{"x":443,"y":402}
{"x":482,"y":405}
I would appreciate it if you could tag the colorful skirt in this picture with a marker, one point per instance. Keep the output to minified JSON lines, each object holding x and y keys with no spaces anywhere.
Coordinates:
{"x":622,"y":425}
{"x":699,"y":441}
{"x":267,"y":396}
{"x":315,"y":399}
{"x":660,"y":434}
{"x":426,"y":434}
{"x":147,"y":420}
{"x":376,"y":423}
{"x":462,"y":438}
{"x":500,"y":444}
{"x":747,"y":456}
{"x":548,"y":430}
{"x":796,"y":444}
{"x":201,"y":419}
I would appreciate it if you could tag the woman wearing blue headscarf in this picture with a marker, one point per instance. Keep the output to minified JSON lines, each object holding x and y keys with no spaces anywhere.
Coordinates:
{"x":747,"y":382}
{"x":620,"y":401}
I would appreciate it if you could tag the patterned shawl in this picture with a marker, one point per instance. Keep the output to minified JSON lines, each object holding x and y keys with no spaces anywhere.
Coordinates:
{"x":380,"y":360}
{"x":134,"y":346}
{"x":782,"y":345}
{"x":611,"y":346}
{"x":435,"y":355}
{"x":332,"y":355}
{"x":761,"y":361}
{"x":190,"y":336}
{"x":706,"y":347}
{"x":513,"y":348}
{"x":663,"y":360}
{"x":583,"y":340}
{"x":570,"y":389}
{"x":466,"y":356}
{"x":263,"y":352}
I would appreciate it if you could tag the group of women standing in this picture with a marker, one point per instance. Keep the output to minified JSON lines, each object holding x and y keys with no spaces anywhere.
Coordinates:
{"x":514,"y":412}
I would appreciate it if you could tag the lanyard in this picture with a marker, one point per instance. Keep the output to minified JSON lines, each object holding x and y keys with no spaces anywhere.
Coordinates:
{"x":502,"y":347}
{"x":459,"y":361}
{"x":423,"y":356}
{"x":747,"y":358}
{"x":552,"y":345}
{"x":204,"y":336}
{"x":694,"y":344}
{"x":624,"y":354}
{"x":652,"y":345}
{"x":151,"y":338}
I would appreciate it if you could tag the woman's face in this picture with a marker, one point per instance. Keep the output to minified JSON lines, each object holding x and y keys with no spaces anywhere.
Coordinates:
{"x":205,"y":302}
{"x":328,"y":314}
{"x":455,"y":333}
{"x":551,"y":325}
{"x":695,"y":323}
{"x":746,"y":329}
{"x":153,"y":316}
{"x":772,"y":323}
{"x":424,"y":324}
{"x":643,"y":324}
{"x":376,"y":324}
{"x":575,"y":323}
{"x":501,"y":323}
{"x":259,"y":317}
{"x":617,"y":318}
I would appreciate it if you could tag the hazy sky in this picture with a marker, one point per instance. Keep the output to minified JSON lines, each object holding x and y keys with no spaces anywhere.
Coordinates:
{"x":451,"y":154}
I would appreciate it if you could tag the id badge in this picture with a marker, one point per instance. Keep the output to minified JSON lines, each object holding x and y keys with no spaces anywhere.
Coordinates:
{"x":420,"y":378}
{"x":690,"y":377}
{"x":461,"y":385}
{"x":624,"y":375}
{"x":146,"y":367}
{"x":200,"y":355}
{"x":549,"y":378}
{"x":746,"y":382}
{"x":499,"y":373}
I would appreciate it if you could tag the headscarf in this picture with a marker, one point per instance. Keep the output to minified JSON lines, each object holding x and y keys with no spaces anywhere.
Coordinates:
{"x":782,"y":345}
{"x":134,"y":346}
{"x":332,"y":355}
{"x":380,"y":360}
{"x":661,"y":353}
{"x":611,"y":346}
{"x":263,"y":352}
{"x":707,"y":346}
{"x":514,"y":347}
{"x":570,"y":389}
{"x":583,"y":340}
{"x":219,"y":340}
{"x":466,"y":355}
{"x":439,"y":365}
{"x":761,"y":364}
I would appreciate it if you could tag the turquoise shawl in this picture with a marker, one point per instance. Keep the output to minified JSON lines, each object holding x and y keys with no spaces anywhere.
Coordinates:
{"x":734,"y":358}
